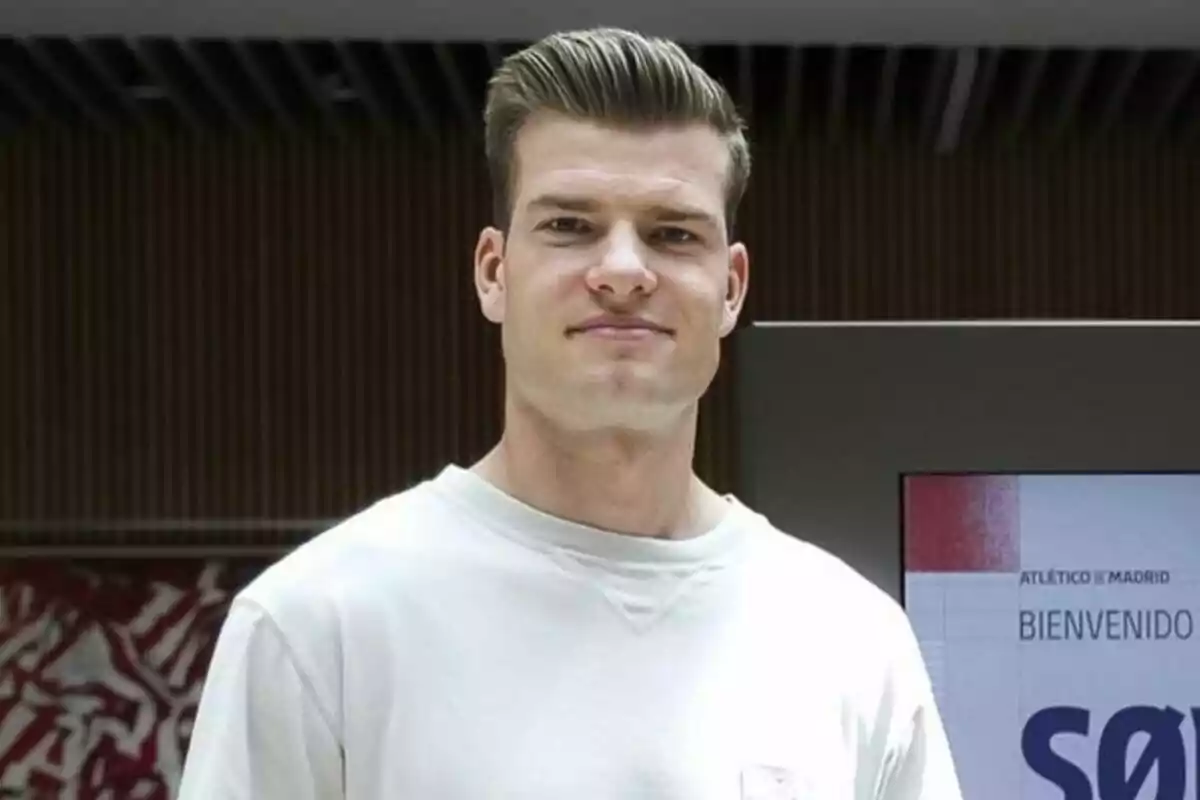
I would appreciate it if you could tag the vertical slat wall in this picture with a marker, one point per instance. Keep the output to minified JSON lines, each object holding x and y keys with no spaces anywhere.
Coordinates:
{"x":286,"y":328}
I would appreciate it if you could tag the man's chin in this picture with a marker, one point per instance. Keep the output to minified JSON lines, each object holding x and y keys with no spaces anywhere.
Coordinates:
{"x":626,"y":378}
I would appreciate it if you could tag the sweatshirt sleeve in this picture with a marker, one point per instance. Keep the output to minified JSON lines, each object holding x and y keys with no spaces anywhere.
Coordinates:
{"x":919,"y":764}
{"x":922,"y":768}
{"x":260,"y":733}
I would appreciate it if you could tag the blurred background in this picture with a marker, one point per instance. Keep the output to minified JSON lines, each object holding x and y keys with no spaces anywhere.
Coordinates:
{"x":237,"y":279}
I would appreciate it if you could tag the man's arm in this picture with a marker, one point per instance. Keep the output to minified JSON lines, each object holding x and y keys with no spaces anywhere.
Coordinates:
{"x":921,"y":767}
{"x":918,"y":765}
{"x":260,"y":733}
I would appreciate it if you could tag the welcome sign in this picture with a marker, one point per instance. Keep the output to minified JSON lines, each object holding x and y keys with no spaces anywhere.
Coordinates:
{"x":1058,"y":615}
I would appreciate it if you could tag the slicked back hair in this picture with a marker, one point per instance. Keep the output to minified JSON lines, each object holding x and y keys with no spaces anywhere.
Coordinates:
{"x":611,"y":77}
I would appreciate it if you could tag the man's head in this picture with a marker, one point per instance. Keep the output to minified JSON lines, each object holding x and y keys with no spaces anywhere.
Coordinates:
{"x":614,"y":77}
{"x":617,"y":167}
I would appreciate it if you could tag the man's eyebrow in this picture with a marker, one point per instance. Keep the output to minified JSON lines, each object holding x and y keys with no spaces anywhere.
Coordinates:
{"x":661,"y":212}
{"x":563,"y":202}
{"x":682,"y":214}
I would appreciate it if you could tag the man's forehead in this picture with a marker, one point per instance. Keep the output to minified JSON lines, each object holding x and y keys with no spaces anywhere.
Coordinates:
{"x":559,"y":155}
{"x":577,"y":186}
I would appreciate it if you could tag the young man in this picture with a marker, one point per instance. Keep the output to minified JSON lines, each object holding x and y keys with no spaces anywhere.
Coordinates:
{"x":578,"y":615}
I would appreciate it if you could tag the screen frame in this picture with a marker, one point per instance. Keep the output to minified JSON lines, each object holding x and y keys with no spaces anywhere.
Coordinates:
{"x":834,"y":415}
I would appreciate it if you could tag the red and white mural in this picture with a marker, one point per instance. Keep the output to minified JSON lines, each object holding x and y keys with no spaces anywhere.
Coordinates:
{"x":101,"y":667}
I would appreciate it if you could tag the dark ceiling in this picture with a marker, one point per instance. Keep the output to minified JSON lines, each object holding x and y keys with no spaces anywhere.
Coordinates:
{"x":940,"y":97}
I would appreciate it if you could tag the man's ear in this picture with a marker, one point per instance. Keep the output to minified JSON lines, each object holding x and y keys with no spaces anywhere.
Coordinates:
{"x":489,"y":273}
{"x":735,"y":289}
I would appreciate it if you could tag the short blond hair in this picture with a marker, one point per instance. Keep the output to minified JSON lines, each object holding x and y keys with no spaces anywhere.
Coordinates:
{"x":610,"y":76}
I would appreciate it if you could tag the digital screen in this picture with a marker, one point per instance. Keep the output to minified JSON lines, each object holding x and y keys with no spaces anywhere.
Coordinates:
{"x":1058,"y":617}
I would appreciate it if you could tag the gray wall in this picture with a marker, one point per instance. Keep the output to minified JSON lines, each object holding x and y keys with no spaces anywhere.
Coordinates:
{"x":834,"y":415}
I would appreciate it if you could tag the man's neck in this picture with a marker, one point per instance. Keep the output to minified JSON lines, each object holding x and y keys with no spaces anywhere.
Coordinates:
{"x":633,"y":483}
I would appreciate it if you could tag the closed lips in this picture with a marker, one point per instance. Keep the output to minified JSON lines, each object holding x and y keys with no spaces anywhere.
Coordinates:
{"x":630,"y":324}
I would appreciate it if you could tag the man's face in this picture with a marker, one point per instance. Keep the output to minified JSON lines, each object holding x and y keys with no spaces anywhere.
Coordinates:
{"x":616,"y":280}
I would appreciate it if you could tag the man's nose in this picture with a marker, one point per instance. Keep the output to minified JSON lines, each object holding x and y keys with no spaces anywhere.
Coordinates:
{"x":622,"y":269}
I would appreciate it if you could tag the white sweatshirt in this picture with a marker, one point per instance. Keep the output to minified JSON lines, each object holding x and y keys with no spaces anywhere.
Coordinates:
{"x":452,"y":643}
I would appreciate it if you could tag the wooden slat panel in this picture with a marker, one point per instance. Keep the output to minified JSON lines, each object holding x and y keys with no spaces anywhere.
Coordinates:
{"x":286,"y":327}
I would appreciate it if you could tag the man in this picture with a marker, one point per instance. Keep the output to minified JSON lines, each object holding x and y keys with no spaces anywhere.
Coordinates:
{"x":578,"y":615}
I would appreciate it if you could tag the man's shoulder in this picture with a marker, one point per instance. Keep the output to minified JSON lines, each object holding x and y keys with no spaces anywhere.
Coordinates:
{"x":809,"y":572}
{"x":863,"y":632}
{"x":832,"y":606}
{"x":364,"y":549}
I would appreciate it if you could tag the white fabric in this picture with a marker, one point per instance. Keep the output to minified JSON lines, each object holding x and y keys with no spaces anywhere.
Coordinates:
{"x":451,"y":643}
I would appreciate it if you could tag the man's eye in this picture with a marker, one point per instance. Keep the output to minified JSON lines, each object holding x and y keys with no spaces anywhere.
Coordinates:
{"x":566,"y":225}
{"x":671,"y":235}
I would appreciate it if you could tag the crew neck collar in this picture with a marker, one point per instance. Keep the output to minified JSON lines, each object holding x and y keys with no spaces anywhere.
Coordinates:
{"x":494,"y":507}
